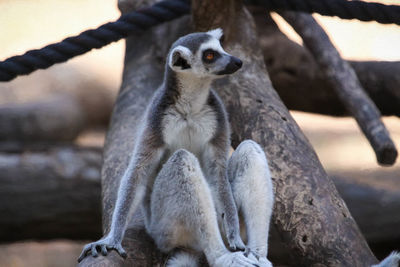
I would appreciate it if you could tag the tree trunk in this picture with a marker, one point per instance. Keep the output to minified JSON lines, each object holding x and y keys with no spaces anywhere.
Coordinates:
{"x":311,"y":218}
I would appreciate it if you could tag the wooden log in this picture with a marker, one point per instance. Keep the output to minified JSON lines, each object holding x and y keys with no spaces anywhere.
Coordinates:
{"x":50,"y":194}
{"x":346,"y":84}
{"x":381,"y":79}
{"x":302,"y":85}
{"x":51,"y":107}
{"x":309,"y":215}
{"x":63,"y":197}
{"x":375,"y":209}
{"x":58,"y":118}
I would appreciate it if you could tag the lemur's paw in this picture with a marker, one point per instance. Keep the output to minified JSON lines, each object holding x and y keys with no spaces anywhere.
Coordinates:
{"x":104,"y":245}
{"x":235,"y":243}
{"x":235,"y":259}
{"x":262,"y":261}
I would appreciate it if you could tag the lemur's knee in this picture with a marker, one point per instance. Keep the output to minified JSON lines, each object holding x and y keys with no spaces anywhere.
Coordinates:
{"x":184,"y":160}
{"x":250,"y":149}
{"x":182,"y":164}
{"x":247,"y":161}
{"x":249,"y":174}
{"x":182,"y":156}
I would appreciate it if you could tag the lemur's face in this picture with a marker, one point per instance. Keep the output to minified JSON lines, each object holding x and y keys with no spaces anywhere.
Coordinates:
{"x":201,"y":54}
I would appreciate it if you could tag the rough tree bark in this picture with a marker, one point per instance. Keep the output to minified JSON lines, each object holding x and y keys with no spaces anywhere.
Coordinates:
{"x":50,"y":194}
{"x":302,"y":85}
{"x":311,"y":218}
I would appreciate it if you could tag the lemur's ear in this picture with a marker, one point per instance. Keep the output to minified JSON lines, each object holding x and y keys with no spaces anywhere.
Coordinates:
{"x":180,"y":58}
{"x":217,"y":33}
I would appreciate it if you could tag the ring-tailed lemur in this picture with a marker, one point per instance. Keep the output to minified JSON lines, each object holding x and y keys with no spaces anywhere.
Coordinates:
{"x":180,"y":173}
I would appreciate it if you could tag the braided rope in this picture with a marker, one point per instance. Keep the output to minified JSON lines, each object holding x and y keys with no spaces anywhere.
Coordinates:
{"x":344,"y":9}
{"x":138,"y":21}
{"x":132,"y":23}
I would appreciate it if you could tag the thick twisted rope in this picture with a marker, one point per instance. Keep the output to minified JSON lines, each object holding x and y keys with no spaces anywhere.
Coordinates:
{"x":138,"y":21}
{"x":132,"y":23}
{"x":344,"y":9}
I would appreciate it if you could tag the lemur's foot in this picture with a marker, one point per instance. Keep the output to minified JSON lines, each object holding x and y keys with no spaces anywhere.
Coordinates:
{"x":235,"y":259}
{"x":104,"y":245}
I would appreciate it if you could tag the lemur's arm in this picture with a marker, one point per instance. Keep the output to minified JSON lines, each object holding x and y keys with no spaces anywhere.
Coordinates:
{"x":132,"y":187}
{"x":215,"y":161}
{"x":130,"y":194}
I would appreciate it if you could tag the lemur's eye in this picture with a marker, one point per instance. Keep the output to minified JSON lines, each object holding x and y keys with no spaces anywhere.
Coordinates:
{"x":210,"y":55}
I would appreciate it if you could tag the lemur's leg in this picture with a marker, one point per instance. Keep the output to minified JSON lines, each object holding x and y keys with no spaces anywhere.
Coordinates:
{"x":251,"y":183}
{"x":183,"y":214}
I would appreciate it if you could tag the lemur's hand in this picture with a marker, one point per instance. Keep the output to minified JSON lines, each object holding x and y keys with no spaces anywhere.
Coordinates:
{"x":104,"y":244}
{"x":262,"y":261}
{"x":235,"y":242}
{"x":232,"y":232}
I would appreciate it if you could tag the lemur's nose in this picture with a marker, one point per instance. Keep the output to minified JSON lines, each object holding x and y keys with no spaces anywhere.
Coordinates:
{"x":238,"y":63}
{"x":233,"y":65}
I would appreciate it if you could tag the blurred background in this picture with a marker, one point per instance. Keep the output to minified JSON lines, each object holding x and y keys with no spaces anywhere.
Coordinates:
{"x":93,"y":81}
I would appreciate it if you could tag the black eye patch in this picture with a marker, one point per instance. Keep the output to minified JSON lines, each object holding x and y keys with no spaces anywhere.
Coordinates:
{"x":209,"y":56}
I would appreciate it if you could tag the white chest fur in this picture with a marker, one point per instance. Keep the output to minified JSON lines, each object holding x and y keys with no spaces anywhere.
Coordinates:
{"x":190,"y":131}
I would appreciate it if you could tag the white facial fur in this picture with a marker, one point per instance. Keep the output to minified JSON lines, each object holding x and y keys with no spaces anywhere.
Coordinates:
{"x":216,"y":33}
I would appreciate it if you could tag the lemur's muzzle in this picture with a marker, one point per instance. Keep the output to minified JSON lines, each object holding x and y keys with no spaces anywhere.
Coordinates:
{"x":233,"y":65}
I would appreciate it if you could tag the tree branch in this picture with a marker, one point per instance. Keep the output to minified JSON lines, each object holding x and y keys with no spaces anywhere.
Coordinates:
{"x":302,"y":85}
{"x":346,"y":84}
